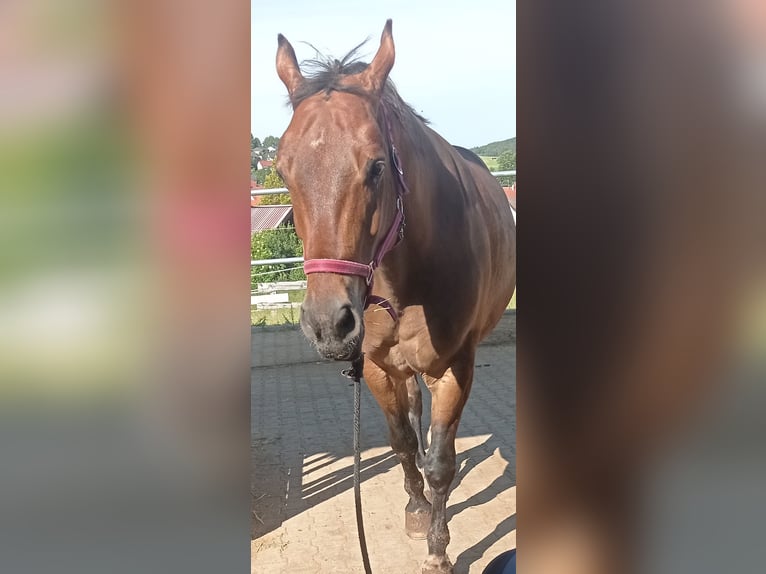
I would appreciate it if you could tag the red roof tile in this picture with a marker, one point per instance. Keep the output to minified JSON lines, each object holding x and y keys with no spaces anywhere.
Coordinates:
{"x":510,"y":193}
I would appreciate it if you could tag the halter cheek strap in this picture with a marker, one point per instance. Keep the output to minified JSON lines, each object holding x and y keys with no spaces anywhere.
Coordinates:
{"x":392,"y":238}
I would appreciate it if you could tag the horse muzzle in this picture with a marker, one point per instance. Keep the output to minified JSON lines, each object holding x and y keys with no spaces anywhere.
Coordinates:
{"x":335,"y":329}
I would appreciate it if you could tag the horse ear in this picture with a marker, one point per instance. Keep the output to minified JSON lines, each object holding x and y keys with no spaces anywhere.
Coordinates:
{"x":287,"y":66}
{"x":375,"y":76}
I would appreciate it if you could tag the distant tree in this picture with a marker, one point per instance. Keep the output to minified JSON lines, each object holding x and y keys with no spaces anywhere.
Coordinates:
{"x":254,"y":142}
{"x":506,"y":160}
{"x":259,"y":175}
{"x":495,"y":148}
{"x":271,"y":141}
{"x":273,"y":181}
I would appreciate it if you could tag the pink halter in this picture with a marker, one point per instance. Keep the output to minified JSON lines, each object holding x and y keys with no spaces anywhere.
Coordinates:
{"x":394,"y":235}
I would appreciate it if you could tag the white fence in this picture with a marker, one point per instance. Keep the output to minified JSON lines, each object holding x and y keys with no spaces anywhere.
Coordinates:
{"x":255,"y":192}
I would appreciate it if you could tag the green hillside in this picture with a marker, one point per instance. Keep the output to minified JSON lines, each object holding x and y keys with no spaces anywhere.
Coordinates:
{"x":494,"y":149}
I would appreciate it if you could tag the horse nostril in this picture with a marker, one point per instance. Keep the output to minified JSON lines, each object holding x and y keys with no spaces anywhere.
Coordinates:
{"x":345,"y":321}
{"x":309,"y":324}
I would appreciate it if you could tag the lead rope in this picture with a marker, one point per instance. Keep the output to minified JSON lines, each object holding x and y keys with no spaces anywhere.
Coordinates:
{"x":355,"y":373}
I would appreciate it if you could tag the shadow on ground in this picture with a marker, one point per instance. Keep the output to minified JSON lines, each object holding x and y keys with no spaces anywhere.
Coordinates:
{"x":467,"y":461}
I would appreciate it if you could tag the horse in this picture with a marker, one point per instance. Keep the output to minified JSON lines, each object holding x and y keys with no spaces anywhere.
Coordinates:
{"x":412,"y":300}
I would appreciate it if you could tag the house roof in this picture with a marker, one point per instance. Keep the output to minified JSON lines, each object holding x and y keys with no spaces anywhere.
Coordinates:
{"x":268,"y":216}
{"x":510,"y":193}
{"x":266,"y":162}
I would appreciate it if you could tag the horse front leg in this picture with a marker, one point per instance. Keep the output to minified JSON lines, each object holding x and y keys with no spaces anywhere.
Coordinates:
{"x":392,"y":396}
{"x":415,"y":413}
{"x":449,"y":394}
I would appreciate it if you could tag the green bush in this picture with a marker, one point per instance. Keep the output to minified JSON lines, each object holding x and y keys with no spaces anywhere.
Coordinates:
{"x":506,"y":180}
{"x":506,"y":160}
{"x":273,"y":181}
{"x":274,"y":244}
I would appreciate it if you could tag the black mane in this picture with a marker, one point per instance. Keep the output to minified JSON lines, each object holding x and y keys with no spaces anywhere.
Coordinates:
{"x":325,"y":74}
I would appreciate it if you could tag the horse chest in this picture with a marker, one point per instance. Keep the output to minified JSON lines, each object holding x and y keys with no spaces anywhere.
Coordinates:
{"x":409,"y":346}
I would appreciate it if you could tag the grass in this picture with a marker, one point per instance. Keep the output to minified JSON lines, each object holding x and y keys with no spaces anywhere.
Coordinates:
{"x":286,"y":316}
{"x":297,"y":296}
{"x":490,"y":162}
{"x":264,"y":317}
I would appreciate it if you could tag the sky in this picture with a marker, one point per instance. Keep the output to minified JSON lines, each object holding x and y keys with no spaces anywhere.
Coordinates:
{"x":455,"y":61}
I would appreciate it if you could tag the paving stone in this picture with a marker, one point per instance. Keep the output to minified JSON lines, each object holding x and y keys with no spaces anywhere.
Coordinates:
{"x":303,"y":464}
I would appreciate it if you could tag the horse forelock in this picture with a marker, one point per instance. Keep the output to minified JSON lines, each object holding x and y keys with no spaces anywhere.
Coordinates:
{"x":326,"y":74}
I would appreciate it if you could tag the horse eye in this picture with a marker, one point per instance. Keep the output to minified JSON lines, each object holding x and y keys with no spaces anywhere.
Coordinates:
{"x":377,"y":169}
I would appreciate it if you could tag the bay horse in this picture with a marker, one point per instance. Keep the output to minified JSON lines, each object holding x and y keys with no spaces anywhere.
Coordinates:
{"x":356,"y":160}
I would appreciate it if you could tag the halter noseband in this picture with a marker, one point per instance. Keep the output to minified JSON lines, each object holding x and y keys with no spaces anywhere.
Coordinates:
{"x":394,"y":235}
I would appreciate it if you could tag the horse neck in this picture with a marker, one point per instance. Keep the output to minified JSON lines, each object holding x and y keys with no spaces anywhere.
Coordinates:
{"x":410,"y":136}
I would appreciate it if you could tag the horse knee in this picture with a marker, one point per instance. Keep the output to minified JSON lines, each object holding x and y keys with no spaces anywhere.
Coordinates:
{"x":439,"y":469}
{"x":403,"y":439}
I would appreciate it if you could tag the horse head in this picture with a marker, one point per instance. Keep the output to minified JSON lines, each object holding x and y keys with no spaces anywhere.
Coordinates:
{"x":335,"y":161}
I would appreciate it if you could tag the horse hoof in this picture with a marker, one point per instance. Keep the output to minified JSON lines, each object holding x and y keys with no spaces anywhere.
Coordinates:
{"x":437,"y":565}
{"x":416,"y":524}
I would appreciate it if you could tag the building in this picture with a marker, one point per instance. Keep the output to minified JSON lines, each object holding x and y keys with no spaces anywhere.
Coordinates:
{"x":264,"y":217}
{"x":510,"y":193}
{"x":267,"y":216}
